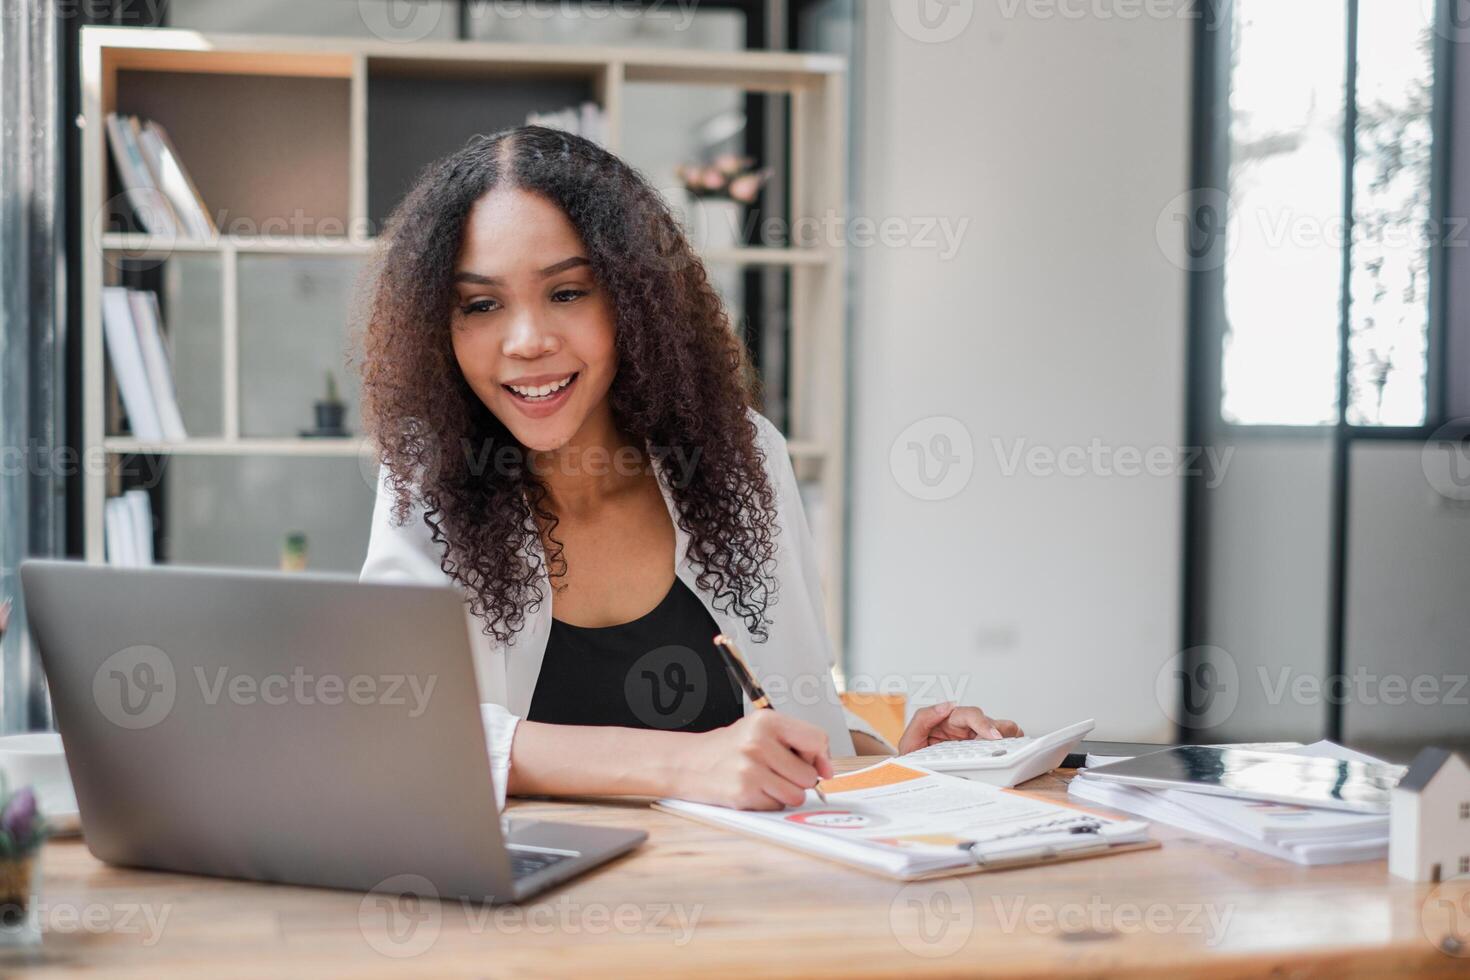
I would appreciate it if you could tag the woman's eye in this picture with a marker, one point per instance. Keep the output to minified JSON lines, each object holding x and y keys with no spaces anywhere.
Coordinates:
{"x":568,"y":295}
{"x":478,"y":306}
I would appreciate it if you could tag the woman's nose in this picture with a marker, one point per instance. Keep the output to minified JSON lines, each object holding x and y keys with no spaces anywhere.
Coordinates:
{"x":528,"y":337}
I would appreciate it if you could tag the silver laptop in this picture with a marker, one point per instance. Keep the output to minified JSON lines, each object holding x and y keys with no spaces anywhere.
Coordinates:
{"x":301,"y":728}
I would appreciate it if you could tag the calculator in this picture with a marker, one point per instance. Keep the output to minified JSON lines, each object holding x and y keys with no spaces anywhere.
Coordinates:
{"x":1001,"y":761}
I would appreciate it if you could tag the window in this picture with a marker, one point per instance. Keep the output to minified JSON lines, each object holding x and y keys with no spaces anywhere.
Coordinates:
{"x":1465,"y":864}
{"x":1465,"y":811}
{"x":1326,"y":236}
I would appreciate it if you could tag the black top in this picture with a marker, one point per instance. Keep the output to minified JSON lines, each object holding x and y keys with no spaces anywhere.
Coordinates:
{"x":661,"y":670}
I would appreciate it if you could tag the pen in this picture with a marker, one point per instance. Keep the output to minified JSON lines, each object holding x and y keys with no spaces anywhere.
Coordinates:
{"x":1063,"y":826}
{"x":747,"y":680}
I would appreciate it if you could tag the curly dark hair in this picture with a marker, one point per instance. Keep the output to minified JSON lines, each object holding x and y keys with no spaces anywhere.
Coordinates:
{"x":683,"y":383}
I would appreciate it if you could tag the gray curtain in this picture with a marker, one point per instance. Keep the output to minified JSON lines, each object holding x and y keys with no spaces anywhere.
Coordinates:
{"x":32,"y":325}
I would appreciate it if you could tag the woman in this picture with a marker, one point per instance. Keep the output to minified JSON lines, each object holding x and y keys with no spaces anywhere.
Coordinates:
{"x":565,"y":426}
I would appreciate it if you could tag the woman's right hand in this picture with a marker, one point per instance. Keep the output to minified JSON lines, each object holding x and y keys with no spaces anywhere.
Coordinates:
{"x":764,"y":761}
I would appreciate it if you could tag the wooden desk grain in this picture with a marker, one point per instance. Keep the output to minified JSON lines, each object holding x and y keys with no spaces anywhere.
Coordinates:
{"x":698,"y":901}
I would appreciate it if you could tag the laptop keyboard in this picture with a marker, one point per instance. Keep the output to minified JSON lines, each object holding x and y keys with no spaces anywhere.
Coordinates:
{"x":523,"y":863}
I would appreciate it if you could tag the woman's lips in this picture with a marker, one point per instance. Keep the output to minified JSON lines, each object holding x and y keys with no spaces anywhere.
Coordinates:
{"x":540,"y":408}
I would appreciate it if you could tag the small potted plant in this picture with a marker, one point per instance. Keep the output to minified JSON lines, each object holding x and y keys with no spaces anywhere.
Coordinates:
{"x":22,"y":832}
{"x":330,"y":412}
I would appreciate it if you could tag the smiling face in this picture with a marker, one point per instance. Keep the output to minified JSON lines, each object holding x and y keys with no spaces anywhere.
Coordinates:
{"x":533,"y":332}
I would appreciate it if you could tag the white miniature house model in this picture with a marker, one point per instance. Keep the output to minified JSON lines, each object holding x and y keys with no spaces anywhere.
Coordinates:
{"x":1429,"y":819}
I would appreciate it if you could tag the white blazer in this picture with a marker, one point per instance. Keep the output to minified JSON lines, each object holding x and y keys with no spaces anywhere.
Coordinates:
{"x":793,"y":664}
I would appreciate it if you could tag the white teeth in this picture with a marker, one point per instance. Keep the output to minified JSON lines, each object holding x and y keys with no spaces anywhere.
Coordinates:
{"x":540,"y":391}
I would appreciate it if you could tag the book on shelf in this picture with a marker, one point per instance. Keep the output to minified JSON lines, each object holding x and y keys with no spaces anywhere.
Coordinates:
{"x":586,"y":120}
{"x":127,"y":529}
{"x":174,"y":180}
{"x":157,"y":185}
{"x":133,"y":330}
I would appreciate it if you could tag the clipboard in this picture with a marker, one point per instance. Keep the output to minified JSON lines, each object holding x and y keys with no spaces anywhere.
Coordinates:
{"x":1042,"y":855}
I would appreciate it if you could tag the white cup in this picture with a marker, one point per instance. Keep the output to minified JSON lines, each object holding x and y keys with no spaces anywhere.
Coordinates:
{"x":35,"y":759}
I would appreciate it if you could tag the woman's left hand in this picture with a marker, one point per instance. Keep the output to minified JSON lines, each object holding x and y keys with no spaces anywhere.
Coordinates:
{"x":946,"y":722}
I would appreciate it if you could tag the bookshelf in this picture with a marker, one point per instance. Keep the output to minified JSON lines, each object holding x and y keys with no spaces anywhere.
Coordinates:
{"x":283,"y":132}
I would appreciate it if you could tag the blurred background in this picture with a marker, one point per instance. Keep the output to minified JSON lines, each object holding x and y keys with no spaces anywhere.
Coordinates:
{"x":1123,"y":345}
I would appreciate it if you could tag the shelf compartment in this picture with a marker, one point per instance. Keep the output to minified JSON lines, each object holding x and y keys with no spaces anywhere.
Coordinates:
{"x":269,"y":154}
{"x":420,"y":112}
{"x":292,"y":329}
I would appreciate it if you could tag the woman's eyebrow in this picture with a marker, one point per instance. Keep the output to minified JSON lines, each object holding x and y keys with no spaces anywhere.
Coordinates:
{"x":465,"y":275}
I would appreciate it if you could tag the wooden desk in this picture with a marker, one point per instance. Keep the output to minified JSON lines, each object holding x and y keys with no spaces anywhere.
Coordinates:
{"x":698,"y":901}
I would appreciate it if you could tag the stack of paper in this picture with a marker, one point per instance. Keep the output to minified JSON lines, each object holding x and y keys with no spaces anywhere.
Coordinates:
{"x":908,"y":822}
{"x":154,"y":180}
{"x":1303,"y":835}
{"x":133,"y":329}
{"x":127,"y":526}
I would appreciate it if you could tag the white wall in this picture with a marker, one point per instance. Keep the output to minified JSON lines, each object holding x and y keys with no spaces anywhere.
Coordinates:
{"x":1408,"y":623}
{"x":1058,"y":321}
{"x":1268,"y":571}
